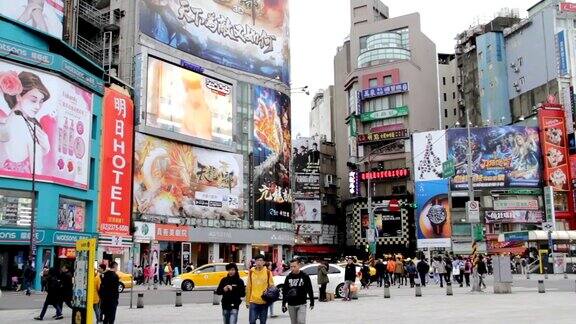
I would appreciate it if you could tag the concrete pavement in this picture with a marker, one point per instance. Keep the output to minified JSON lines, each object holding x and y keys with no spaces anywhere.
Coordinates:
{"x":523,"y":305}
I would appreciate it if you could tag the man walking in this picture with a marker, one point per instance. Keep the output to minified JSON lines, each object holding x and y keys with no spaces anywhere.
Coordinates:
{"x":349,"y":278}
{"x":380,"y":271}
{"x":109,"y":294}
{"x":323,"y":280}
{"x":259,"y":279}
{"x":423,"y":268}
{"x":28,"y":276}
{"x":67,"y":287}
{"x":297,"y":286}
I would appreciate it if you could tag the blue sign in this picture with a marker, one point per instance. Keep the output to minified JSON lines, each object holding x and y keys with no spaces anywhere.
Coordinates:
{"x":562,"y":56}
{"x":19,"y":235}
{"x":384,"y":91}
{"x":191,"y":66}
{"x":43,"y":236}
{"x":521,"y":236}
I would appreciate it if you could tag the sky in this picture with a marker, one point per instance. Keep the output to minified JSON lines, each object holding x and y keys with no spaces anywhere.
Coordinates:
{"x":318,"y":27}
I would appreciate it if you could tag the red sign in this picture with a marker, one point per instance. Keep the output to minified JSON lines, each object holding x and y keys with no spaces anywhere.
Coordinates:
{"x":171,"y":232}
{"x":116,"y":164}
{"x":554,"y":148}
{"x":385,"y":174}
{"x":387,"y":128}
{"x":567,"y":6}
{"x":66,"y":253}
{"x":382,"y":136}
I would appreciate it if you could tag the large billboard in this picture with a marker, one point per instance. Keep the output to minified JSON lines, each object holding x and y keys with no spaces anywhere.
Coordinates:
{"x":388,"y":223}
{"x":252,"y":36}
{"x":429,"y":154}
{"x":178,"y":180}
{"x":44,"y":15}
{"x":555,"y":148}
{"x":42,"y":110}
{"x":307,"y":210}
{"x":116,"y":164}
{"x":433,"y":214}
{"x":306,"y":166}
{"x":502,"y":156}
{"x":189,"y":103}
{"x":271,"y":154}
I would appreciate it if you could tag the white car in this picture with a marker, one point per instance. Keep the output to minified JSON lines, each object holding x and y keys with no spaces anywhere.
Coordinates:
{"x":335,"y":275}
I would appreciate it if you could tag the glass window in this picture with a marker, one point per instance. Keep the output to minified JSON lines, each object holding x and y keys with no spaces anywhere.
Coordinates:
{"x":373,"y":83}
{"x":332,"y":269}
{"x":15,"y":208}
{"x":387,"y":80}
{"x":220,"y":268}
{"x":452,"y":79}
{"x":445,"y":98}
{"x":443,"y":80}
{"x":71,"y":214}
{"x":207,"y":269}
{"x":311,"y":271}
{"x":445,"y":113}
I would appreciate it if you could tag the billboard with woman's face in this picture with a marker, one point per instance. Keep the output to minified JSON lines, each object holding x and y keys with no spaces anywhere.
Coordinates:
{"x":45,"y":121}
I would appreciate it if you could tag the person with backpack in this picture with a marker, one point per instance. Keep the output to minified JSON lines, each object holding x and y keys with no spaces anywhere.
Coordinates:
{"x":448,"y":266}
{"x":422,"y":267}
{"x":232,"y":290}
{"x":467,"y":271}
{"x":482,"y":270}
{"x":297,"y":286}
{"x":53,"y":296}
{"x":391,"y":268}
{"x":323,"y":280}
{"x":259,"y":280}
{"x":109,"y":294}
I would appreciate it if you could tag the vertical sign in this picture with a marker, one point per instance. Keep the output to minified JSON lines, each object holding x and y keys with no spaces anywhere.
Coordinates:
{"x":116,"y":168}
{"x":554,"y":148}
{"x":561,"y":53}
{"x":549,"y":204}
{"x":82,"y":297}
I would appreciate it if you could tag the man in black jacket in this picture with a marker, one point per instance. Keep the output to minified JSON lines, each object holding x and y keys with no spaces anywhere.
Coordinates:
{"x":67,"y":287}
{"x":349,"y":278}
{"x":422,"y":267}
{"x":296,"y":287}
{"x":232,"y":290}
{"x":109,"y":294}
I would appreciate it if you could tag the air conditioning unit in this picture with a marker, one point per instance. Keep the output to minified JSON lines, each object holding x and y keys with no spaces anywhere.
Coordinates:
{"x":515,"y":84}
{"x":516,"y":69}
{"x":329,"y":180}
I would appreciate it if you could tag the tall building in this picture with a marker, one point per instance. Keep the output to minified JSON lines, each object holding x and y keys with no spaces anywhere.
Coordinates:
{"x":386,"y":86}
{"x":322,"y":114}
{"x":448,"y":80}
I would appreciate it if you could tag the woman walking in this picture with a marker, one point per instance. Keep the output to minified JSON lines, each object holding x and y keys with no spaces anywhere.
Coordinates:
{"x":53,"y":297}
{"x":232,"y":290}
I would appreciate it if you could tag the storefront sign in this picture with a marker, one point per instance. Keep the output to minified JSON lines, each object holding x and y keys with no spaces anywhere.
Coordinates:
{"x":385,"y":174}
{"x":517,"y":192}
{"x":384,"y":114}
{"x":568,"y":6}
{"x":554,"y":148}
{"x":549,"y":204}
{"x":19,"y":235}
{"x":66,"y":253}
{"x":239,"y":236}
{"x":116,"y":168}
{"x":382,"y":136}
{"x":384,"y":91}
{"x":516,"y":204}
{"x":170,"y":232}
{"x":387,"y":128}
{"x":307,"y":228}
{"x":144,"y":232}
{"x":516,"y":236}
{"x":514,"y":216}
{"x":43,"y":236}
{"x":82,"y":300}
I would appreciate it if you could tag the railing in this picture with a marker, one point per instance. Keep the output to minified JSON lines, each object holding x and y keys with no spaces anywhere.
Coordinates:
{"x":91,"y":50}
{"x":92,"y":15}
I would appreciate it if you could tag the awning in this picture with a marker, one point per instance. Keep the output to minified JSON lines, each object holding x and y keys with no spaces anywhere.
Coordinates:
{"x":537,"y":236}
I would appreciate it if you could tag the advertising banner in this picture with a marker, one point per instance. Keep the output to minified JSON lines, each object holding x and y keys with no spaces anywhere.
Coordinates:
{"x":307,"y":185}
{"x":388,"y":223}
{"x":272,"y":150}
{"x":116,"y":164}
{"x":308,"y":229}
{"x":83,"y":282}
{"x":44,"y":15}
{"x":382,"y":136}
{"x":384,"y":114}
{"x":307,"y":210}
{"x":177,"y":180}
{"x":58,"y":113}
{"x":514,"y":216}
{"x":554,"y":148}
{"x":502,"y":156}
{"x":144,"y":232}
{"x":306,"y":155}
{"x":429,"y":151}
{"x":512,"y":204}
{"x":433,"y":214}
{"x":251,"y":36}
{"x":189,"y":103}
{"x":71,"y":214}
{"x":384,"y":91}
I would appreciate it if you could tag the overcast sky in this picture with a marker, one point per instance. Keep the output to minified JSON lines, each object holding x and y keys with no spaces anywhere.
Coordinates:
{"x":318,"y":27}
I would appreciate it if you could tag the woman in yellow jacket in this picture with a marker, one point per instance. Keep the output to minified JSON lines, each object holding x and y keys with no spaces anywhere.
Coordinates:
{"x":96,"y":298}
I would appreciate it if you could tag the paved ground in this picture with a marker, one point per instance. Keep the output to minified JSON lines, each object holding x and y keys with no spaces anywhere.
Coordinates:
{"x":524,"y":305}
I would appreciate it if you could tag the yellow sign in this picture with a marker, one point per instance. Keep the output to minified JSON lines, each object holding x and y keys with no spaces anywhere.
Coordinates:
{"x":83,"y":293}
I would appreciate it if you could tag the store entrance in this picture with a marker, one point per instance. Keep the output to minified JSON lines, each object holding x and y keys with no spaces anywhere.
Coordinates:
{"x":12,"y":261}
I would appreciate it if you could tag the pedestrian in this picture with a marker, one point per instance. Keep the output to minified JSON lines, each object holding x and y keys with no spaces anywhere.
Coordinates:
{"x":458,"y":270}
{"x":44,"y":278}
{"x":323,"y":280}
{"x":28,"y":277}
{"x":423,"y":267}
{"x":297,"y":286}
{"x":168,"y":271}
{"x":365,"y":279}
{"x":270,"y":267}
{"x":481,"y":269}
{"x":349,"y":278}
{"x":399,"y":271}
{"x":232,"y":290}
{"x":380,"y":271}
{"x":96,"y":297}
{"x":161,"y":273}
{"x":448,"y":266}
{"x":411,"y":271}
{"x":467,"y":271}
{"x":109,"y":293}
{"x":53,"y":296}
{"x":391,"y":268}
{"x":67,"y":287}
{"x":259,"y":279}
{"x":440,"y":268}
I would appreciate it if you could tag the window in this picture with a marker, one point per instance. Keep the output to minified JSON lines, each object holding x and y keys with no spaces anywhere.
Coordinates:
{"x":15,"y":208}
{"x":454,"y":111}
{"x":443,"y":80}
{"x":311,"y":271}
{"x":220,"y":268}
{"x":332,"y":270}
{"x":452,"y":79}
{"x":445,"y":113}
{"x":373,"y":83}
{"x":387,"y":80}
{"x":453,"y":95}
{"x":208,"y":269}
{"x":445,"y":98}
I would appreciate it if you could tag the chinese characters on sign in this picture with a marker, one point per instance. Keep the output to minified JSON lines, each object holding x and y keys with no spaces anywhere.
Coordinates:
{"x":169,"y":232}
{"x":382,"y":136}
{"x":384,"y":91}
{"x":385,"y":174}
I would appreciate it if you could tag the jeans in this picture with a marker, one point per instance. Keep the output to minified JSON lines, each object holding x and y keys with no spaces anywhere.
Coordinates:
{"x":230,"y":316}
{"x":441,"y":276}
{"x":467,"y":279}
{"x":322,"y":296}
{"x":45,"y":308}
{"x":398,"y":278}
{"x":109,"y":312}
{"x":97,"y":313}
{"x":423,"y":279}
{"x":297,"y":314}
{"x":411,"y":276}
{"x":258,"y":312}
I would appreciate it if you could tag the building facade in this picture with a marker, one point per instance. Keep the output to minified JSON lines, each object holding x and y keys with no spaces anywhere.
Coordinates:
{"x":322,"y":114}
{"x":386,"y":84}
{"x":448,"y":80}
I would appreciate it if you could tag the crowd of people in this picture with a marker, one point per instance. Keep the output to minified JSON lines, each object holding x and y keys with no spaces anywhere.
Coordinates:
{"x":158,"y":274}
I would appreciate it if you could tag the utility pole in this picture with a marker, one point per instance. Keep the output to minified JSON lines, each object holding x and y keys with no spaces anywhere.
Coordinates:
{"x":473,"y":222}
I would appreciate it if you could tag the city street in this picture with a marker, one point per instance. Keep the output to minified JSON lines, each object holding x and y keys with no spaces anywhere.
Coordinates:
{"x":433,"y":307}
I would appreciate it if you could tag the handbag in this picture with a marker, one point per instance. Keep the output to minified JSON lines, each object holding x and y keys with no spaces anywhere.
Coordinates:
{"x":270,"y":294}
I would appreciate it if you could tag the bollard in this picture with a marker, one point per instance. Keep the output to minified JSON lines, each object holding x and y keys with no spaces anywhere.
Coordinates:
{"x":140,"y":301}
{"x":565,"y":275}
{"x":215,"y":299}
{"x":386,"y":291}
{"x":574,"y":285}
{"x":546,"y":275}
{"x":418,"y":290}
{"x":541,"y":288}
{"x":449,"y":291}
{"x":527,"y":275}
{"x":155,"y":286}
{"x":178,"y":299}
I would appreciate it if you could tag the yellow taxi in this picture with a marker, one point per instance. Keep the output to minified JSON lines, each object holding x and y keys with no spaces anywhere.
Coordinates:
{"x":207,"y":276}
{"x":126,"y":280}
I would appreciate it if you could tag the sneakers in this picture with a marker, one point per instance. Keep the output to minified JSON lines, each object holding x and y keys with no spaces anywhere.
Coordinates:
{"x":59,"y":317}
{"x":38,"y":318}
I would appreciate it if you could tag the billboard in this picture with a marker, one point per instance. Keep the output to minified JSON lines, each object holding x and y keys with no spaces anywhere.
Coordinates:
{"x":58,"y":112}
{"x":309,"y":229}
{"x":177,"y":180}
{"x":116,"y":164}
{"x":388,"y":223}
{"x":306,"y":155}
{"x":306,"y":185}
{"x":307,"y":210}
{"x":429,"y":150}
{"x":502,"y":156}
{"x":555,"y":148}
{"x":514,"y":216}
{"x":44,"y":15}
{"x":433,"y":214}
{"x":71,"y":214}
{"x":189,"y":103}
{"x":251,"y":36}
{"x":271,"y":153}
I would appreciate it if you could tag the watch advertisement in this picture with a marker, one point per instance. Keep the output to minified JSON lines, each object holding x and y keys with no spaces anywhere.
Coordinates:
{"x":433,"y":216}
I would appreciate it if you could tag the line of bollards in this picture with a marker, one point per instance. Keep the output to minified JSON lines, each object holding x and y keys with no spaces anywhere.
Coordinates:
{"x":386,"y":290}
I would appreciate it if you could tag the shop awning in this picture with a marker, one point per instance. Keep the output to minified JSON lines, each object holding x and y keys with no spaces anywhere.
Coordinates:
{"x":536,"y":236}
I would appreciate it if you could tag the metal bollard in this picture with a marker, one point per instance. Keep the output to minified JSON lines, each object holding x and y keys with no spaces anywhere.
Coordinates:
{"x":565,"y":275}
{"x":178,"y":299}
{"x":574,"y":285}
{"x":541,"y":288}
{"x":449,"y":291}
{"x":527,"y":275}
{"x":386,"y":291}
{"x":140,"y":301}
{"x":155,"y":286}
{"x":546,"y":275}
{"x":215,"y":299}
{"x":418,"y":290}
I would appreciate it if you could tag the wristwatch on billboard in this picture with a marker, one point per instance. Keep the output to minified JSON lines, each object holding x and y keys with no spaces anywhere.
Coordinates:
{"x":437,"y":216}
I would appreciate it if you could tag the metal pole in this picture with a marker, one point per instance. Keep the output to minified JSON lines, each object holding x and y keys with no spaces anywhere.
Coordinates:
{"x":372,"y":247}
{"x":33,"y":207}
{"x":132,"y":286}
{"x":469,"y":175}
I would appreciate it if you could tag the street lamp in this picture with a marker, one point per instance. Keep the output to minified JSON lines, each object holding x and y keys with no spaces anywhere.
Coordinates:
{"x":32,"y":130}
